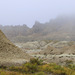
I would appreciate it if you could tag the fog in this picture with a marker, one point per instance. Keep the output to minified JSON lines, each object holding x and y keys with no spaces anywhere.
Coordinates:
{"x":18,"y":12}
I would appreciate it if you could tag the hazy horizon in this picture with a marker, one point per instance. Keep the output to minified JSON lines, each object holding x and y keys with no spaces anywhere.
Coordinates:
{"x":19,"y":12}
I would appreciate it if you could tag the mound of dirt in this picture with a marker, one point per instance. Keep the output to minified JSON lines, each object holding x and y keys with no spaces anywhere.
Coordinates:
{"x":9,"y":53}
{"x":50,"y":50}
{"x":69,"y":50}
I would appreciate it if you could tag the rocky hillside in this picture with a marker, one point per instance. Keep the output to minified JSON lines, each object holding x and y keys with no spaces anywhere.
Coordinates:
{"x":9,"y":53}
{"x":50,"y":51}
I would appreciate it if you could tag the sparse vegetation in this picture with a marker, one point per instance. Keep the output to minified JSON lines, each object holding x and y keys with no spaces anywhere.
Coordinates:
{"x":68,"y":62}
{"x":33,"y":68}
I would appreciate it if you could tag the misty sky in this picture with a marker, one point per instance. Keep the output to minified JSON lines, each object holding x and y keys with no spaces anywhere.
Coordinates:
{"x":14,"y":12}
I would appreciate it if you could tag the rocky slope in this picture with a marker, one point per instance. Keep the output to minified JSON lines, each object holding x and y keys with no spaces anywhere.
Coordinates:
{"x":9,"y":53}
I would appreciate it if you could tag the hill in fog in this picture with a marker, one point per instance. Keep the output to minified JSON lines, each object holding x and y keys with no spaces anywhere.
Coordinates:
{"x":61,"y":28}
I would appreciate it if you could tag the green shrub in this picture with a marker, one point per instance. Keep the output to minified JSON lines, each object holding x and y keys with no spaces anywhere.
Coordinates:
{"x":3,"y":67}
{"x":58,"y":67}
{"x":13,"y":68}
{"x":32,"y":68}
{"x":71,"y":66}
{"x":37,"y":61}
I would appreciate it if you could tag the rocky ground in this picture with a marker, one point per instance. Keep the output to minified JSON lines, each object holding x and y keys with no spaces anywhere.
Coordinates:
{"x":50,"y":51}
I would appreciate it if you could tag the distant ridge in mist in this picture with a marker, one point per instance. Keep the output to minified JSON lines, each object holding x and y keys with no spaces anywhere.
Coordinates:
{"x":61,"y":28}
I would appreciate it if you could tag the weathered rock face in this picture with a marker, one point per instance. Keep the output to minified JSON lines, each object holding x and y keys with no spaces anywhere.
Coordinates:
{"x":9,"y":53}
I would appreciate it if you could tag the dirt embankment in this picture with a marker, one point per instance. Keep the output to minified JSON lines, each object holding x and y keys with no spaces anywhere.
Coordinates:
{"x":9,"y":53}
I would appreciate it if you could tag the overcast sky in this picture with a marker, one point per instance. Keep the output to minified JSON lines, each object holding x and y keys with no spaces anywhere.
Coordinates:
{"x":14,"y":12}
